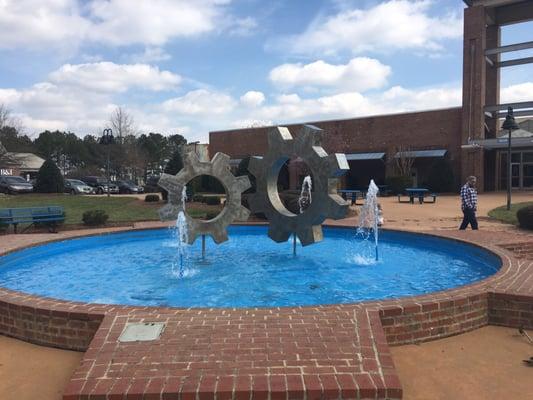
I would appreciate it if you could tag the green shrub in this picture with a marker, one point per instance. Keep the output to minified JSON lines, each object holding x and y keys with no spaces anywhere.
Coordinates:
{"x":212,"y":200}
{"x":95,"y":217}
{"x":49,"y":179}
{"x":441,"y":177}
{"x":151,"y":198}
{"x":525,"y":217}
{"x":398,"y":183}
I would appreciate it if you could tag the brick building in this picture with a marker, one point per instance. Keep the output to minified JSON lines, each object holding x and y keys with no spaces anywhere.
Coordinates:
{"x":467,"y":136}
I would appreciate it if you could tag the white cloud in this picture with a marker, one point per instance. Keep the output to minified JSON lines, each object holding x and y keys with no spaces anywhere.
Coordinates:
{"x":388,"y":26}
{"x":200,"y":102}
{"x":31,"y":23}
{"x":111,"y":77}
{"x":61,"y":23}
{"x":517,"y":93}
{"x":252,"y":98}
{"x":403,"y":99}
{"x":153,"y":22}
{"x":359,"y":74}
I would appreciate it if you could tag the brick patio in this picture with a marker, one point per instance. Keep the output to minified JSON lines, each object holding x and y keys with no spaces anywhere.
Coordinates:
{"x":324,"y":352}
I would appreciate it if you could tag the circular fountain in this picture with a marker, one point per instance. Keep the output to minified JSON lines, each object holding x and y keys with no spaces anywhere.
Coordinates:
{"x":139,"y":267}
{"x":247,"y":270}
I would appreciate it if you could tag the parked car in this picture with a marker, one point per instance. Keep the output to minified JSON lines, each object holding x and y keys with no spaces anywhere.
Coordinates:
{"x":100,"y":184}
{"x":14,"y":185}
{"x":113,"y":188}
{"x":129,"y":187}
{"x":75,"y":186}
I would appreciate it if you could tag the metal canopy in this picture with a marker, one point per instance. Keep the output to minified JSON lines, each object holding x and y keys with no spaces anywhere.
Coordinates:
{"x":501,"y":142}
{"x":364,"y":156}
{"x":421,"y":153}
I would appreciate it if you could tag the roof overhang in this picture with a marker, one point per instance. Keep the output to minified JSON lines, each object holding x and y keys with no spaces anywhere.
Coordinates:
{"x":501,"y":143}
{"x":364,"y":156}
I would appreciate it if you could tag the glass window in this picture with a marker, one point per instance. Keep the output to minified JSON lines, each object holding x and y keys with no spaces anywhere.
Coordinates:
{"x":15,"y":179}
{"x":515,"y":157}
{"x":528,"y":181}
{"x":527,"y":157}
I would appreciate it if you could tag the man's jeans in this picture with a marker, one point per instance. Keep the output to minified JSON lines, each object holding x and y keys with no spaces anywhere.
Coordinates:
{"x":469,"y":217}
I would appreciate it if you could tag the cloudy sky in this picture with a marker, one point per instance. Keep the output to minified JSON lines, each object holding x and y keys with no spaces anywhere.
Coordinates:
{"x":189,"y":67}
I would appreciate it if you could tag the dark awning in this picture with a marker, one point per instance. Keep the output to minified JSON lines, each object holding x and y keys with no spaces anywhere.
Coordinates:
{"x":364,"y":156}
{"x":421,"y":153}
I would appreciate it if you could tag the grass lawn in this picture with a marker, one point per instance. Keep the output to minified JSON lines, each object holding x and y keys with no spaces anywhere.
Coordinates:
{"x":119,"y":209}
{"x":509,"y":217}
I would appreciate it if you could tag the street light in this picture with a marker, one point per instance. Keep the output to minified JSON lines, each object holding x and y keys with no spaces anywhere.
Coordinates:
{"x":510,"y":125}
{"x":107,"y":139}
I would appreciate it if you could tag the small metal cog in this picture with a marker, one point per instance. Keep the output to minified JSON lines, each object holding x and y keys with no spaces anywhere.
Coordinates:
{"x":219,"y":168}
{"x":324,"y":170}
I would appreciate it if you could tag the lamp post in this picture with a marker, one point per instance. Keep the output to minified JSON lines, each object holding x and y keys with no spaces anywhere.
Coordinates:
{"x":510,"y":125}
{"x":107,"y":139}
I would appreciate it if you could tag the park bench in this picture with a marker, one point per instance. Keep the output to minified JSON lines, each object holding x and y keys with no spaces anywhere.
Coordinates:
{"x":51,"y":216}
{"x":353,"y":195}
{"x":421,"y":196}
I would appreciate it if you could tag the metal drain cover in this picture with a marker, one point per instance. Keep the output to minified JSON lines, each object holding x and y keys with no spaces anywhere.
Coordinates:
{"x":141,"y":331}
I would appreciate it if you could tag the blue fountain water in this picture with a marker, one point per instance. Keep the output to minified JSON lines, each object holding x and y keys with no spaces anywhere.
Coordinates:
{"x":249,"y":270}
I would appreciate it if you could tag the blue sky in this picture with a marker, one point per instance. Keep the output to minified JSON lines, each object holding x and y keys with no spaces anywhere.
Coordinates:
{"x":189,"y":67}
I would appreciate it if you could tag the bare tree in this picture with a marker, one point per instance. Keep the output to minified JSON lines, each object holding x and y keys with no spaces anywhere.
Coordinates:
{"x":5,"y":115}
{"x":7,"y":119}
{"x":122,"y":123}
{"x":403,"y":162}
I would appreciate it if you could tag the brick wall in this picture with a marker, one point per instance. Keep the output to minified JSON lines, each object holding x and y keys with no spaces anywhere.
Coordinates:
{"x":418,"y":322}
{"x":511,"y":310}
{"x":47,"y":327}
{"x":437,"y":129}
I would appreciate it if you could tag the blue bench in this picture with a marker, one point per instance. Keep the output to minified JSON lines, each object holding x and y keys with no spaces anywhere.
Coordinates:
{"x":353,"y":195}
{"x":51,"y":216}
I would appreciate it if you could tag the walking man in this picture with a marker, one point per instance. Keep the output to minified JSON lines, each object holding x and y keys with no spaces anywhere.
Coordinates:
{"x":469,"y":203}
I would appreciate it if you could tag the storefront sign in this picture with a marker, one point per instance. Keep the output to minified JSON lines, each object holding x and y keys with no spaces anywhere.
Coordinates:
{"x":6,"y":171}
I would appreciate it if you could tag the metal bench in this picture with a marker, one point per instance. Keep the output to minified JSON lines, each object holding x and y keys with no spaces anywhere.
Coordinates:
{"x":432,"y":196}
{"x":406,"y":200}
{"x":351,"y":194}
{"x":51,"y":216}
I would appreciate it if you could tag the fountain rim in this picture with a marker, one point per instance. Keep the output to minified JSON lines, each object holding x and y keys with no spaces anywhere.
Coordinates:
{"x":501,"y":254}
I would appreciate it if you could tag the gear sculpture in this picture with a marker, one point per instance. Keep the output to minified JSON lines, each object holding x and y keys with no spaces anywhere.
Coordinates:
{"x":218,"y":168}
{"x":324,"y":170}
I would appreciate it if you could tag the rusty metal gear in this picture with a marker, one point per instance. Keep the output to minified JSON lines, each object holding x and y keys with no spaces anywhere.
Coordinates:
{"x":218,"y":168}
{"x":324,"y":169}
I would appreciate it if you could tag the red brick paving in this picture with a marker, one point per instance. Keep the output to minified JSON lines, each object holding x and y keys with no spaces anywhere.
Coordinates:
{"x":324,"y":352}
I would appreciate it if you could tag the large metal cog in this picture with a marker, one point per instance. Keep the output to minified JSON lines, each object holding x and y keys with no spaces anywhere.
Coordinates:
{"x":219,"y":168}
{"x":325,"y":169}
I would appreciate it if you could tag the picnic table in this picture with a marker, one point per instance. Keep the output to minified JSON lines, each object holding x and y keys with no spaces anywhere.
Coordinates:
{"x":352,"y":194}
{"x":420,"y":193}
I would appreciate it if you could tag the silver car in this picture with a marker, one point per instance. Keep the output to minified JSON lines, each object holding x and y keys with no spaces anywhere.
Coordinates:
{"x":74,"y":186}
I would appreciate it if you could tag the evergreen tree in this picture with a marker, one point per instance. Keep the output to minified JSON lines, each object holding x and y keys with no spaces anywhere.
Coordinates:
{"x":175,"y":164}
{"x":49,"y":178}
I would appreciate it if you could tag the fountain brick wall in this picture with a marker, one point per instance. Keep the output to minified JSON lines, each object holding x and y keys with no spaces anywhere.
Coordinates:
{"x":38,"y":321}
{"x":418,"y":322}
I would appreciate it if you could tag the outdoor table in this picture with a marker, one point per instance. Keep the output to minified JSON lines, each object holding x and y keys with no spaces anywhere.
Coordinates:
{"x":416,"y":192}
{"x":352,"y":193}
